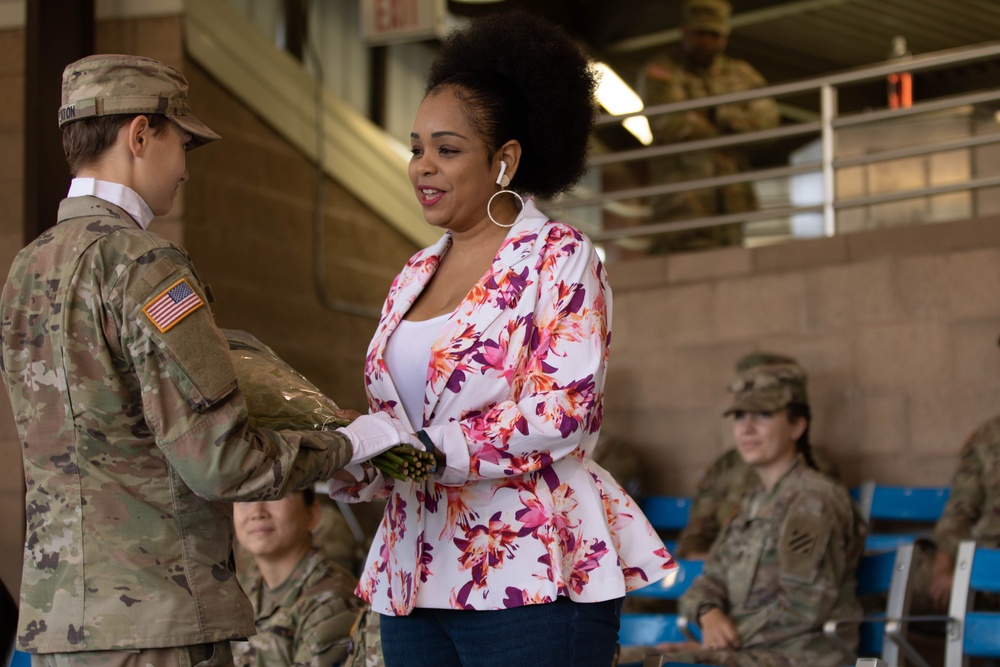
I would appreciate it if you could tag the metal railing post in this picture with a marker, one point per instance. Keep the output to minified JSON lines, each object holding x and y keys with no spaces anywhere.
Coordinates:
{"x":828,"y":112}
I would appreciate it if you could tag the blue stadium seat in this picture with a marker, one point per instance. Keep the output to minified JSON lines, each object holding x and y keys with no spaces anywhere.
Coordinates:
{"x":667,"y":512}
{"x":673,"y":585}
{"x":913,"y":505}
{"x":647,"y":629}
{"x":973,"y":633}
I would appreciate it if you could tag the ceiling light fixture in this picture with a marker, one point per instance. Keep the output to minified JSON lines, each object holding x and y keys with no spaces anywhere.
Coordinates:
{"x":618,"y":98}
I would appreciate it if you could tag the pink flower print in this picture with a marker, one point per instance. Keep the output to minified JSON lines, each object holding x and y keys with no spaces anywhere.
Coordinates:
{"x":426,"y":558}
{"x":585,"y":563}
{"x":517,"y":597}
{"x":570,"y":408}
{"x":395,"y":514}
{"x":505,"y":288}
{"x":550,"y":509}
{"x":367,"y":588}
{"x":460,"y":512}
{"x":561,"y":242}
{"x":486,"y":547}
{"x":634,"y":575}
{"x":518,"y":241}
{"x":404,"y":585}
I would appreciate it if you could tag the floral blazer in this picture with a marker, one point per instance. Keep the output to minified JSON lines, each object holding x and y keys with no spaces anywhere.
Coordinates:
{"x":514,"y":395}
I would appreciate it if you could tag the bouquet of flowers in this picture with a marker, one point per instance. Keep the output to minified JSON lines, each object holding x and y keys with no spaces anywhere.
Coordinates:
{"x":279,"y":397}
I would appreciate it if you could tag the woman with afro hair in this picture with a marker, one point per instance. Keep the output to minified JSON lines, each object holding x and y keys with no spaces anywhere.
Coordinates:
{"x":492,"y":348}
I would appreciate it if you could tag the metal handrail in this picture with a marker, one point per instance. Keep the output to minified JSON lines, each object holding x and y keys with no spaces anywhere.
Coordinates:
{"x":927,"y":61}
{"x":827,"y":127}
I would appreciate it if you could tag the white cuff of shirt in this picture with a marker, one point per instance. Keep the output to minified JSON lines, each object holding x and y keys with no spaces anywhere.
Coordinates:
{"x":450,"y":439}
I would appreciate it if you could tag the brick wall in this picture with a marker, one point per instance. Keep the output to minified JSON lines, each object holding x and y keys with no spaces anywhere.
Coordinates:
{"x":11,"y":233}
{"x":897,"y":328}
{"x":249,"y":208}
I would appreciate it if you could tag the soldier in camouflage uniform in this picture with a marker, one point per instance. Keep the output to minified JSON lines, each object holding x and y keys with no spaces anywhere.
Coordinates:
{"x":699,"y":68}
{"x":787,"y":562}
{"x":366,"y":641}
{"x":728,"y":480}
{"x":304,"y":604}
{"x":972,"y":513}
{"x":126,"y":402}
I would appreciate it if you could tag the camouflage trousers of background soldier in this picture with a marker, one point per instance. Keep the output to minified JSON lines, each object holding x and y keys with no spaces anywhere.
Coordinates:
{"x":751,"y":657}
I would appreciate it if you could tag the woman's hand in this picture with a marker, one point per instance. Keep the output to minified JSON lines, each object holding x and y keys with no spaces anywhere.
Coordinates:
{"x":718,"y":630}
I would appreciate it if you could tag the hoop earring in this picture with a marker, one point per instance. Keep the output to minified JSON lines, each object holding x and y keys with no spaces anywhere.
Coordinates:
{"x":490,"y":203}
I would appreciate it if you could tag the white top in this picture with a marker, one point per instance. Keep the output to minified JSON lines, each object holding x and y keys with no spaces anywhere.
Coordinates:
{"x":407,"y":357}
{"x":116,"y":193}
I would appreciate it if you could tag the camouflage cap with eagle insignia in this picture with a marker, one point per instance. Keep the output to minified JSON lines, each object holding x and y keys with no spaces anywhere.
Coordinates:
{"x":768,"y":387}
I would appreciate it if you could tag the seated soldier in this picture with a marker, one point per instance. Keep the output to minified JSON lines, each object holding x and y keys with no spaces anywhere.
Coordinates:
{"x":972,"y":513}
{"x":787,"y":561}
{"x":304,"y":604}
{"x":728,"y":480}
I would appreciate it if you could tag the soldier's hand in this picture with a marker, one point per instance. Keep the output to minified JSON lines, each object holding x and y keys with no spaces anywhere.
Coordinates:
{"x":942,"y":575}
{"x":346,"y":414}
{"x":718,"y":630}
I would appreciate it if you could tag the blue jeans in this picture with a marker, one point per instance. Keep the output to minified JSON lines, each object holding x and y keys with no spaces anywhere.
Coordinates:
{"x":559,"y":634}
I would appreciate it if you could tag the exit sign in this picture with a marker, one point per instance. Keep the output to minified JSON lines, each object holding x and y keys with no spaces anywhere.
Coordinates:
{"x":387,"y":21}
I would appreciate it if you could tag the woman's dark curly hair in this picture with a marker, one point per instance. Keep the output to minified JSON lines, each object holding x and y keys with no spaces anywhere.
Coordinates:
{"x":522,"y":77}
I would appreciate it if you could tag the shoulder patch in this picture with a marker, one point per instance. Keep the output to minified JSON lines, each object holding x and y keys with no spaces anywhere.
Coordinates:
{"x":658,"y":72}
{"x":803,"y":546}
{"x":172,"y":305}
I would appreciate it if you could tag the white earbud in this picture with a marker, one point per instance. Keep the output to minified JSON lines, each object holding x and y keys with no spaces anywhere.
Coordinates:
{"x":503,"y":168}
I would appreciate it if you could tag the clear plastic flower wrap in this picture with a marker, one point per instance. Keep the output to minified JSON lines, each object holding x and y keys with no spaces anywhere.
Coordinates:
{"x":279,"y":397}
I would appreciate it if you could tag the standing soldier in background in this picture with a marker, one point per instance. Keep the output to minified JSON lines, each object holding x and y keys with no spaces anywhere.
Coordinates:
{"x":125,"y":397}
{"x":729,"y":479}
{"x":699,"y":68}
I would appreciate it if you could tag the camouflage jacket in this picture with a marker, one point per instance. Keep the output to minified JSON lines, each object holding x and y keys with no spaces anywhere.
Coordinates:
{"x":973,"y":509}
{"x":130,"y":435}
{"x":786,"y":564}
{"x":665,"y":79}
{"x":720,"y":493}
{"x":307,"y":620}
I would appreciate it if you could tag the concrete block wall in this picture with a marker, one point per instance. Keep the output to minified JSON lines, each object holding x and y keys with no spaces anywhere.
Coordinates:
{"x":249,"y":219}
{"x":897,"y":328}
{"x":11,"y":240}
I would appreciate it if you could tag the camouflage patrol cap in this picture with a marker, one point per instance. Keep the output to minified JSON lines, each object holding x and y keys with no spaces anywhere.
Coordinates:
{"x":708,"y":15}
{"x":768,"y":387}
{"x":108,"y":84}
{"x":754,"y":359}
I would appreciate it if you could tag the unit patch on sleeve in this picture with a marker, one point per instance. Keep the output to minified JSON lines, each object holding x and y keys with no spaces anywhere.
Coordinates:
{"x":172,"y":305}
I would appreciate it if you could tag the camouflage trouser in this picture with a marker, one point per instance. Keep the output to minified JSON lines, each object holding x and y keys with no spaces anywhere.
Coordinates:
{"x":199,"y":655}
{"x":750,"y":657}
{"x":366,"y":640}
{"x":635,"y":655}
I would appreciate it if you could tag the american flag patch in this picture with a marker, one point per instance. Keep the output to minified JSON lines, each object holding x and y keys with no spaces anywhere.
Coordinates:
{"x":173,"y":305}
